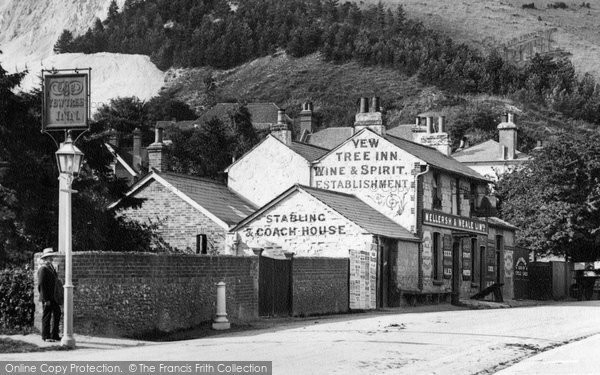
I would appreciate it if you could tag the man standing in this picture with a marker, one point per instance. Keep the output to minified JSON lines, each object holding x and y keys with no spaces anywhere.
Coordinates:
{"x":47,"y":278}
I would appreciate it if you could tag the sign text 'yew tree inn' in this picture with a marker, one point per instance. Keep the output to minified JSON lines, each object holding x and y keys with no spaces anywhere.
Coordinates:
{"x":405,"y":213}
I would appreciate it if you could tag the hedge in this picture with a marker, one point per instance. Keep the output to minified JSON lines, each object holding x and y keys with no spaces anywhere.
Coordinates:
{"x":16,"y":298}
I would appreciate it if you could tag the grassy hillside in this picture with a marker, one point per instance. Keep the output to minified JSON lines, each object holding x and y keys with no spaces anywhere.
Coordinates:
{"x":489,"y":23}
{"x":335,"y":88}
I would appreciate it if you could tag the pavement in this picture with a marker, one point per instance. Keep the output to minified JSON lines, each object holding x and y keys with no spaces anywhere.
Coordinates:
{"x":440,"y":339}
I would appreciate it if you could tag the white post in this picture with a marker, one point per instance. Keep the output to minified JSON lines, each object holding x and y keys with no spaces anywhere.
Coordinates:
{"x":221,"y":322}
{"x":65,"y":219}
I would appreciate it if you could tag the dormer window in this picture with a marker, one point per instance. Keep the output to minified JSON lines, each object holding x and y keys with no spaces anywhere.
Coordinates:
{"x":436,"y":191}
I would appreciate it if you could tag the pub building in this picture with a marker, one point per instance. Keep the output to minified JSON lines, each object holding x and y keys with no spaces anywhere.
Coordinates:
{"x":423,"y":231}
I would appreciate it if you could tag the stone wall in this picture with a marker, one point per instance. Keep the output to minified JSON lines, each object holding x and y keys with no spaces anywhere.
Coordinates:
{"x":178,"y":221}
{"x":128,"y":294}
{"x":320,"y":285}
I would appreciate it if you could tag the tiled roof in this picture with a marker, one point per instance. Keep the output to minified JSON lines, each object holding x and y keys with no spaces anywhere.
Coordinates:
{"x":487,"y":151}
{"x":434,"y":157}
{"x":331,"y":137}
{"x":402,"y":131}
{"x":214,"y":196}
{"x":494,"y":221}
{"x":308,"y":152}
{"x":361,"y":213}
{"x":263,"y":114}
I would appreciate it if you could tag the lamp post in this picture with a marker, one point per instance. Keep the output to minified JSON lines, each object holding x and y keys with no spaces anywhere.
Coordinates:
{"x":69,"y":159}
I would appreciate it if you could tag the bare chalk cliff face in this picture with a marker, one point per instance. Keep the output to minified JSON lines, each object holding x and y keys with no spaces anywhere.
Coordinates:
{"x":30,"y":28}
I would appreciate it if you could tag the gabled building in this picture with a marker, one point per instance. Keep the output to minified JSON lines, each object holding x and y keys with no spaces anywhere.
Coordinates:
{"x":316,"y":222}
{"x":193,"y":214}
{"x":420,"y":188}
{"x":491,"y":158}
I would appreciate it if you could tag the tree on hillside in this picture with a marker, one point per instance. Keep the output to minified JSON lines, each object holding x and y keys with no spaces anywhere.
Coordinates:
{"x":555,"y":199}
{"x":63,"y":44}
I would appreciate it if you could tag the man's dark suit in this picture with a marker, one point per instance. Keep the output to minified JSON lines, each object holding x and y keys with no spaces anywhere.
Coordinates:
{"x":46,"y":279}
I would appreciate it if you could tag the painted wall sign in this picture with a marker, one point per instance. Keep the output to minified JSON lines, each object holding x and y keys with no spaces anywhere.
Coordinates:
{"x":440,"y":219}
{"x":466,"y":259}
{"x":375,"y":170}
{"x":295,"y":224}
{"x":447,"y":262}
{"x":66,"y":101}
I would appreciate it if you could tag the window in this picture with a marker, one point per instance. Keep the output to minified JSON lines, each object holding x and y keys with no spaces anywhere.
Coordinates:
{"x":436,"y":191}
{"x":201,"y":244}
{"x":437,"y":256}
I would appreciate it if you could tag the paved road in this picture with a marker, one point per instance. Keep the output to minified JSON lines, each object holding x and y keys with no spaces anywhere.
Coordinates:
{"x":579,"y":357}
{"x":441,"y":342}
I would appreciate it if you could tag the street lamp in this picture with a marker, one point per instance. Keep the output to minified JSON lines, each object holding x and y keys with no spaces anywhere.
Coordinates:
{"x":69,"y":159}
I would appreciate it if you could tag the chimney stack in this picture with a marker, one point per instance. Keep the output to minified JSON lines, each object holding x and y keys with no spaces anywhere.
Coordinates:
{"x":369,"y":116}
{"x":137,"y":147}
{"x":157,"y":158}
{"x":306,"y":120}
{"x":508,"y":137}
{"x":281,"y":130}
{"x":114,"y":137}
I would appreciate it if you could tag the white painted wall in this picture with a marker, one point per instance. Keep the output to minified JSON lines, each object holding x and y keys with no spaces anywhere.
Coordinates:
{"x":358,"y":162}
{"x":288,"y":225}
{"x":267,"y":171}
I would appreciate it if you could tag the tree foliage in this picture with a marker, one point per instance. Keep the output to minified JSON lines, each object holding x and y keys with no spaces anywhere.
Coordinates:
{"x":555,"y":199}
{"x":208,"y":150}
{"x":184,"y":33}
{"x":29,"y":186}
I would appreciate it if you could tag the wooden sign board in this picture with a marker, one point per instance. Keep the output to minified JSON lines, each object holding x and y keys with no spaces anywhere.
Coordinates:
{"x":66,"y":101}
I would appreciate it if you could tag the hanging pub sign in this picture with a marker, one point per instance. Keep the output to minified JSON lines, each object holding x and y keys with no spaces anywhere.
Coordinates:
{"x":466,"y":224}
{"x":66,"y":101}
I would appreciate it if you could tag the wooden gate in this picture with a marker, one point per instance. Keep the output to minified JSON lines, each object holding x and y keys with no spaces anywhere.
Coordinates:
{"x":540,"y":280}
{"x":521,"y":272}
{"x":274,"y":287}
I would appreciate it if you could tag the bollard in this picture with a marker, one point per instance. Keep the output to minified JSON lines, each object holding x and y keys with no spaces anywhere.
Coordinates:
{"x":221,"y":322}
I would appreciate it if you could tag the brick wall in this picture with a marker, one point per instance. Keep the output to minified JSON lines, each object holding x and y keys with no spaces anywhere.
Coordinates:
{"x":127,"y":294}
{"x":320,"y":285}
{"x":179,"y":223}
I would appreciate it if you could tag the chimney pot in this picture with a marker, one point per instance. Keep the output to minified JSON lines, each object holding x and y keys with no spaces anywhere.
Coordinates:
{"x":429,"y":125}
{"x":158,"y":135}
{"x":505,"y":117}
{"x":417,"y":121}
{"x":280,"y":118}
{"x":364,"y":105}
{"x":510,"y":117}
{"x":441,"y":124}
{"x":375,"y":104}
